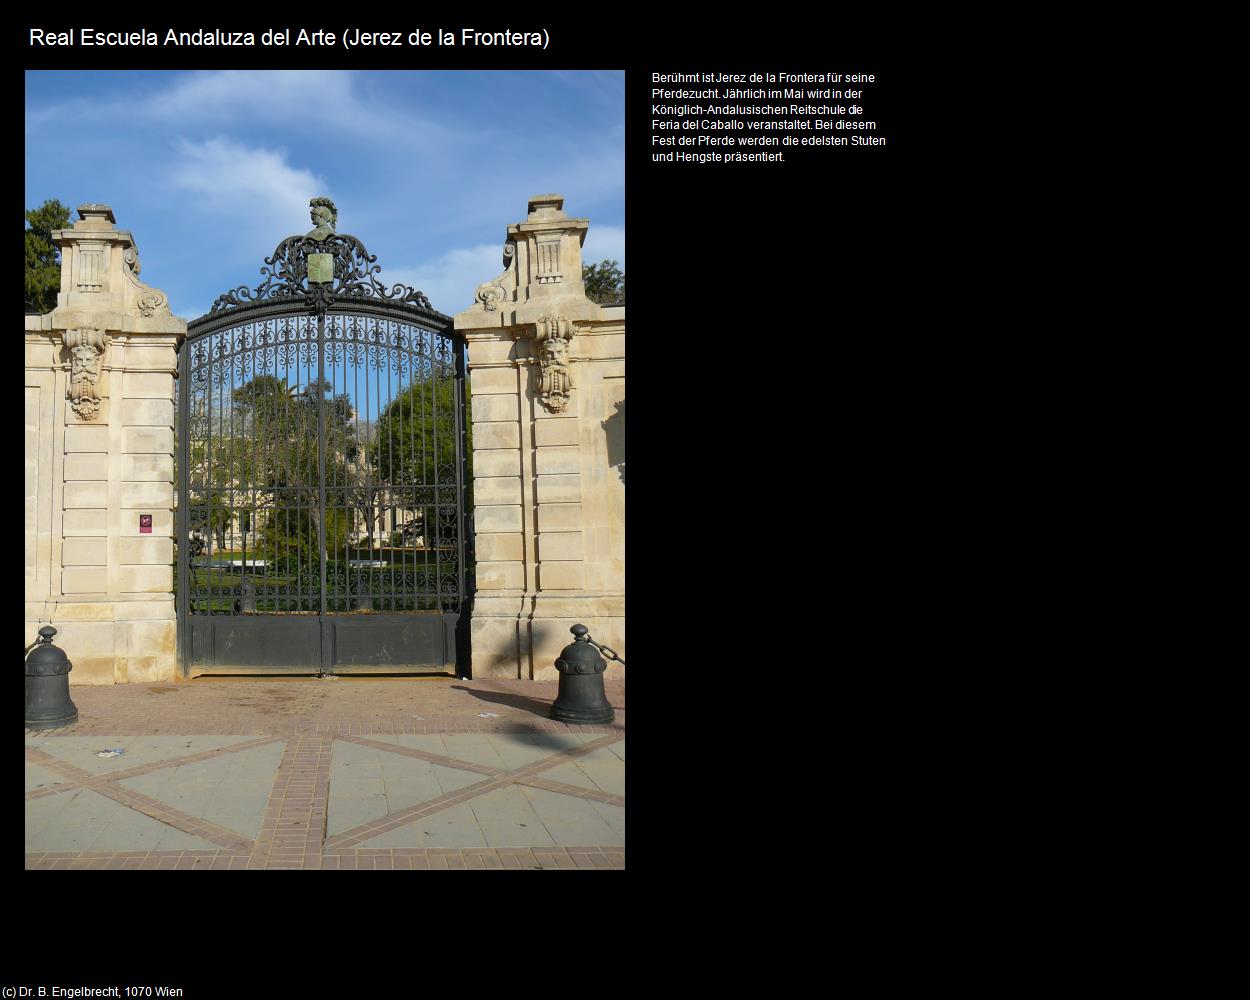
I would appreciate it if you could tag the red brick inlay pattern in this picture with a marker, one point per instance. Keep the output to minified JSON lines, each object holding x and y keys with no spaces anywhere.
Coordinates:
{"x":293,"y":828}
{"x":399,"y":858}
{"x":594,"y":794}
{"x":433,"y":758}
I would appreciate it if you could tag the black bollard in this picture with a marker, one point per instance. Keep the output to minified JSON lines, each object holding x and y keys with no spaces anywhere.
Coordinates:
{"x":581,"y":700}
{"x":48,"y":705}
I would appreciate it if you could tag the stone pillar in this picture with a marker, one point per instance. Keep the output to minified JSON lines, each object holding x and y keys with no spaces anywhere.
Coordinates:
{"x":100,"y":372}
{"x":547,"y":376}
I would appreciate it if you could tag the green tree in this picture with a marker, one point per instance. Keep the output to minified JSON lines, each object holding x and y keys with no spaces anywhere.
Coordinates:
{"x":43,"y":259}
{"x":414,"y":446}
{"x":275,"y":466}
{"x":605,"y":282}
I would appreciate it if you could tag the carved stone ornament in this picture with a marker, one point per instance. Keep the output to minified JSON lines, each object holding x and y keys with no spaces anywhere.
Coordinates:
{"x":86,"y":352}
{"x":150,"y":300}
{"x":553,"y":335}
{"x":492,"y":292}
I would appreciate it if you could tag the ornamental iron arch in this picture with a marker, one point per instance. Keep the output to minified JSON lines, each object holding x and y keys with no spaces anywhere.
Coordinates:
{"x":322,"y":522}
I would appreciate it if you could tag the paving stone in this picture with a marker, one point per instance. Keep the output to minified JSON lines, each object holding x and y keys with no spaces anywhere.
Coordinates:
{"x":82,"y":820}
{"x":507,"y":819}
{"x":574,"y":821}
{"x":140,"y":750}
{"x":40,"y":777}
{"x":230,"y":790}
{"x":366,"y":784}
{"x":600,"y":770}
{"x":454,"y":827}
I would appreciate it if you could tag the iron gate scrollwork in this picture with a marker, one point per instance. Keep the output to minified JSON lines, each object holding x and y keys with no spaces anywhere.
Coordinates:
{"x":322,"y":469}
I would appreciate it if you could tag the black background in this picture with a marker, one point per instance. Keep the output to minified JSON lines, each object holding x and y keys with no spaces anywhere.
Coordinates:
{"x":774,"y":312}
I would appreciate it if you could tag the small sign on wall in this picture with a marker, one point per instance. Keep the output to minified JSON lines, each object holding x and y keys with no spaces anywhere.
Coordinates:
{"x":145,"y":524}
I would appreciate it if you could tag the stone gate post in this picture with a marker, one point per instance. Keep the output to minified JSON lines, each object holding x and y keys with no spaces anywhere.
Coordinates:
{"x":99,"y":398}
{"x":547,"y":378}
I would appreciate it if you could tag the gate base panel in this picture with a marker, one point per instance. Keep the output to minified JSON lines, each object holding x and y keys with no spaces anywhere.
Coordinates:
{"x":355,"y":644}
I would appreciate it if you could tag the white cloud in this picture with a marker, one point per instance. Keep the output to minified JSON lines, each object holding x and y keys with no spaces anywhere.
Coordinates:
{"x":277,"y":93}
{"x":233,"y":182}
{"x":449,"y":281}
{"x":241,"y":98}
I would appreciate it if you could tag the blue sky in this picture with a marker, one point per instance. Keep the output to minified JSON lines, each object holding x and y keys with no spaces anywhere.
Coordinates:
{"x":210,"y":170}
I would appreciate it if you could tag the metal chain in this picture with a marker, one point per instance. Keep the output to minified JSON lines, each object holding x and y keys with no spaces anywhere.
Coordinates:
{"x":605,"y":650}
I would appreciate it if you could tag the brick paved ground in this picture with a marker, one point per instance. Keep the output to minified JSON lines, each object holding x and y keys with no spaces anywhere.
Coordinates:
{"x":522,"y":771}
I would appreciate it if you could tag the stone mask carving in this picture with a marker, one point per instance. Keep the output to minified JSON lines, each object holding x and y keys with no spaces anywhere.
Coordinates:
{"x":86,"y":352}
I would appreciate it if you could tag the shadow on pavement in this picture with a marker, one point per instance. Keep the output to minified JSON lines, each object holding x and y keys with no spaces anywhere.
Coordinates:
{"x":535,"y":706}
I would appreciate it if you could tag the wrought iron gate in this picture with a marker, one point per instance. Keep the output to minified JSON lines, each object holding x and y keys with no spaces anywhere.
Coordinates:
{"x":321,"y":472}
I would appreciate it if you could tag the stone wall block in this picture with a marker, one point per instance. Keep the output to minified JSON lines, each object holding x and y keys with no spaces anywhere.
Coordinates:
{"x":500,"y":407}
{"x":84,"y":522}
{"x":86,"y":467}
{"x":490,"y":381}
{"x":559,"y":489}
{"x":499,"y":547}
{"x":148,"y":440}
{"x":561,"y":576}
{"x":496,"y":462}
{"x":484,"y":352}
{"x":93,"y":494}
{"x":145,"y":550}
{"x":151,"y":468}
{"x":84,"y":552}
{"x":560,"y":517}
{"x":500,"y":575}
{"x":497,"y":518}
{"x":160,"y":609}
{"x":80,"y":580}
{"x":549,"y":461}
{"x":557,"y":432}
{"x":87,"y":437}
{"x":497,"y":490}
{"x":560,"y":545}
{"x":135,"y":496}
{"x":145,"y":579}
{"x":148,"y":412}
{"x":148,"y":385}
{"x":495,"y":435}
{"x":146,"y":638}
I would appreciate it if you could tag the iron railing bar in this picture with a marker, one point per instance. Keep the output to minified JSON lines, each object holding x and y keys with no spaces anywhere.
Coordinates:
{"x":180,"y":527}
{"x":429,"y":531}
{"x":460,"y":473}
{"x":321,"y":453}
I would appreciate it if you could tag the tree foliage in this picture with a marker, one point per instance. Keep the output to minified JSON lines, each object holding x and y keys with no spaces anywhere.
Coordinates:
{"x":43,"y":259}
{"x":605,"y":282}
{"x":415,"y":444}
{"x":259,"y":458}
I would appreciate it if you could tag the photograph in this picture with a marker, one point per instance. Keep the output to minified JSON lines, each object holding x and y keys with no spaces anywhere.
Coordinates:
{"x":324,"y":543}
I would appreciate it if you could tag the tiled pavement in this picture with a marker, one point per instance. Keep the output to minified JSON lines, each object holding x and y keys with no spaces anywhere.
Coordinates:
{"x":333,"y":774}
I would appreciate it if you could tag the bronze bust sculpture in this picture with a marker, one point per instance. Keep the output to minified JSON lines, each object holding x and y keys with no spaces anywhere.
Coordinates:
{"x":324,"y":216}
